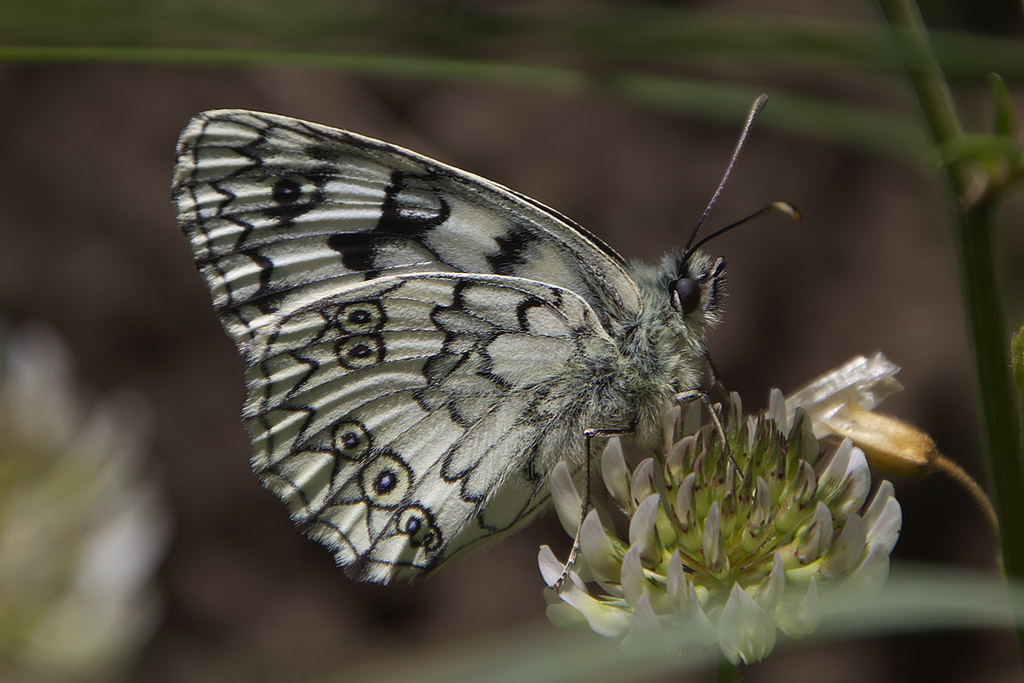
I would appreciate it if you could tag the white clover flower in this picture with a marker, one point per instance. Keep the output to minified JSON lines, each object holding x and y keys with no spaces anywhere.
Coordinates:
{"x":724,"y":546}
{"x":81,"y":525}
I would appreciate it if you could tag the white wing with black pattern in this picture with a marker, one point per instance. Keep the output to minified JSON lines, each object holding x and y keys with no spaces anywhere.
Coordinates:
{"x":407,"y":418}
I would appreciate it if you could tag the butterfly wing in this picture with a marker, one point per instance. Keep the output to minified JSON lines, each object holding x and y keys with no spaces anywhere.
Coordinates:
{"x":420,"y":342}
{"x":277,"y":208}
{"x":410,"y":417}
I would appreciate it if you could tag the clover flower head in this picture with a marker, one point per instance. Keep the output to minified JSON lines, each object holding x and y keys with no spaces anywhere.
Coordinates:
{"x":727,"y":542}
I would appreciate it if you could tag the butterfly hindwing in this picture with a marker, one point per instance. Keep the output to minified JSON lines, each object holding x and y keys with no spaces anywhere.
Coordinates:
{"x":409,"y":417}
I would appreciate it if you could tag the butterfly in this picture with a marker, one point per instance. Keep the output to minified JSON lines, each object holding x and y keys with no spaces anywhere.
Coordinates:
{"x":422,"y":345}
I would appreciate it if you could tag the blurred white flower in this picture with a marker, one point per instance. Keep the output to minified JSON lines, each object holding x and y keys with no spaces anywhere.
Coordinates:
{"x":82,"y":524}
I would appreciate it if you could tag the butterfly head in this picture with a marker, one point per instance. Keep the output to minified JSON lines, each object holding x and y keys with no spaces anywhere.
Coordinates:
{"x":695,"y":284}
{"x":682,"y":296}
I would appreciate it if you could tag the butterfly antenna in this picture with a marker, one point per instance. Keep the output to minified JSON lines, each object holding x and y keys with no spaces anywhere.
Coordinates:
{"x":781,"y":207}
{"x":754,"y":111}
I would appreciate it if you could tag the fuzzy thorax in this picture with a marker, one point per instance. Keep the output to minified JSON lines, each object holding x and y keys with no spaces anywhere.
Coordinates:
{"x":660,"y":352}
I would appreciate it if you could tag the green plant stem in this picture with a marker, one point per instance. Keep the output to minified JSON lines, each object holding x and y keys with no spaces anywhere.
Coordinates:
{"x":1017,"y":367}
{"x":727,"y":673}
{"x":976,"y":236}
{"x":974,"y":224}
{"x":1017,"y":363}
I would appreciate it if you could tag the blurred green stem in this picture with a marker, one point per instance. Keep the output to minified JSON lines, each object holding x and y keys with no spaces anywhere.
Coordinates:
{"x":974,"y":225}
{"x":727,"y":673}
{"x":1017,"y":367}
{"x":810,"y":116}
{"x":1017,"y":362}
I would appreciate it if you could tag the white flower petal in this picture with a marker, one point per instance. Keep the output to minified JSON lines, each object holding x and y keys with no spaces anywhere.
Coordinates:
{"x":604,"y":619}
{"x":678,"y":587}
{"x":746,"y":631}
{"x":711,"y":547}
{"x":800,"y":615}
{"x":884,"y":518}
{"x":646,"y":635}
{"x":683,"y":508}
{"x":777,"y":410}
{"x":642,"y":484}
{"x":642,"y":528}
{"x":816,"y":537}
{"x":677,"y":455}
{"x":615,"y":473}
{"x":565,"y":616}
{"x":706,"y":630}
{"x":810,"y":449}
{"x":551,"y":569}
{"x":634,"y":585}
{"x":856,"y":484}
{"x":872,"y":572}
{"x":833,"y":474}
{"x":566,"y":498}
{"x":757,"y":521}
{"x":774,"y":587}
{"x":884,"y":492}
{"x":847,"y":549}
{"x":597,"y":549}
{"x":793,"y":509}
{"x":751,"y":432}
{"x":668,"y":425}
{"x":733,"y":410}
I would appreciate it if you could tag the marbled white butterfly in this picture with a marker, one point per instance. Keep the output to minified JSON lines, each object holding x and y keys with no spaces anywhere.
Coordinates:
{"x":422,"y":345}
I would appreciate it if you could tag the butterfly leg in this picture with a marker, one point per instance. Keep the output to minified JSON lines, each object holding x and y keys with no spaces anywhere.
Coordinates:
{"x":713,"y":371}
{"x":703,"y":397}
{"x":589,"y":435}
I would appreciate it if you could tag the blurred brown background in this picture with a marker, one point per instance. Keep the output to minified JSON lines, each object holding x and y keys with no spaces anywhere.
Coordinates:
{"x":90,"y":246}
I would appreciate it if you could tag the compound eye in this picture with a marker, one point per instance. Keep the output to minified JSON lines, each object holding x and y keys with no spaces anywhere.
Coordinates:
{"x":687,"y":294}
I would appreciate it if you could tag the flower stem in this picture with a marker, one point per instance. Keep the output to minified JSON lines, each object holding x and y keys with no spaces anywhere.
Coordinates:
{"x":974,"y":224}
{"x":957,"y":474}
{"x":1017,"y":367}
{"x":727,"y":672}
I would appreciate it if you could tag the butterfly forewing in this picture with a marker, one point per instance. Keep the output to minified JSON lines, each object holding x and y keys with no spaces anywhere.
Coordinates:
{"x":273,"y":204}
